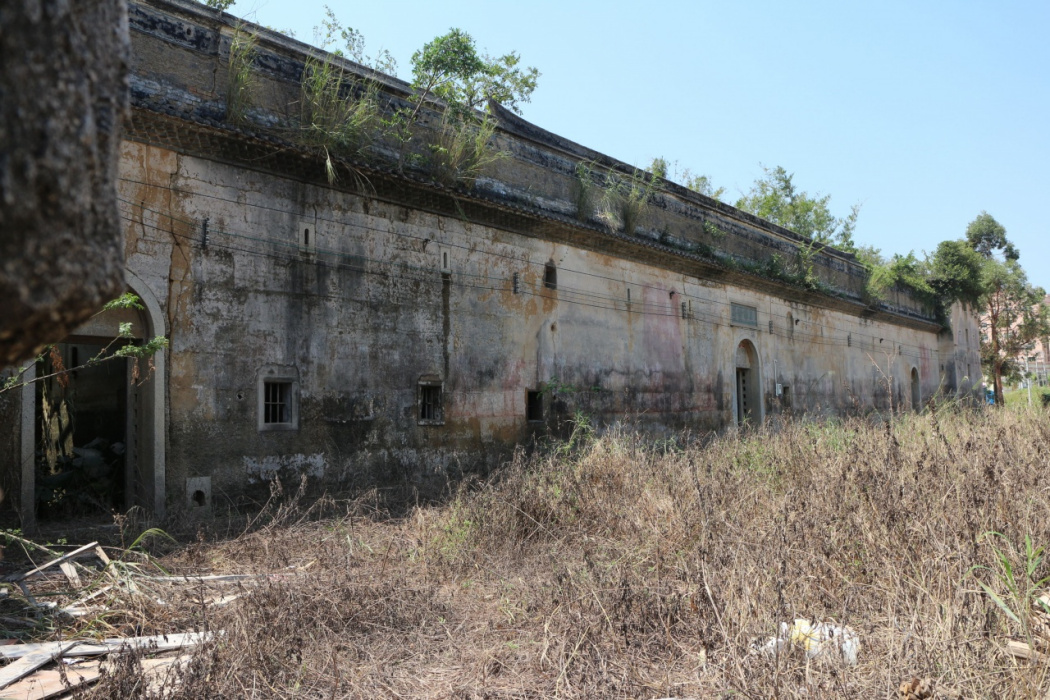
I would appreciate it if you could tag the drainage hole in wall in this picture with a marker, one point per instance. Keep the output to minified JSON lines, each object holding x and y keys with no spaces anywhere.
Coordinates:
{"x":240,"y":396}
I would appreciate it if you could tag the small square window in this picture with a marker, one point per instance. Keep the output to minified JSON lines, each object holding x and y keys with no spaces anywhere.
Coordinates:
{"x":277,"y":403}
{"x":431,"y":410}
{"x":534,"y":406}
{"x":278,"y":407}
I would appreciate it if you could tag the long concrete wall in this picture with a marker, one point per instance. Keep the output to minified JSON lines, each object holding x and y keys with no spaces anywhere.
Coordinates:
{"x":365,"y":295}
{"x":384,"y":296}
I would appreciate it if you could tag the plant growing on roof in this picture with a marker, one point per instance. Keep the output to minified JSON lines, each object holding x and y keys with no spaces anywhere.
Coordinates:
{"x":463,"y":149}
{"x":627,"y":199}
{"x":449,"y":68}
{"x":339,"y":113}
{"x":240,"y":77}
{"x":584,"y":190}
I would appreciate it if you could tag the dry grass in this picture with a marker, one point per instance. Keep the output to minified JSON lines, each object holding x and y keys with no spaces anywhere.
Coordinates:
{"x":623,"y":567}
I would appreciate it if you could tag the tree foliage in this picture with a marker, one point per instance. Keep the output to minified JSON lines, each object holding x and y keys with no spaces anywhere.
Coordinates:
{"x":986,"y":236}
{"x":955,"y":271}
{"x":450,"y":68}
{"x":1013,"y":318}
{"x":775,"y":197}
{"x":703,"y":185}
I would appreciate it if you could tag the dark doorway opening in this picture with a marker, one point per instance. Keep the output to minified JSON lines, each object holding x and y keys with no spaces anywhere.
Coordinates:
{"x":743,"y":386}
{"x":82,"y":427}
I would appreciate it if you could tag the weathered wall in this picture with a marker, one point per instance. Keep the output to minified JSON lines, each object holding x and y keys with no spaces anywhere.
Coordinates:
{"x":365,"y":311}
{"x":359,"y":292}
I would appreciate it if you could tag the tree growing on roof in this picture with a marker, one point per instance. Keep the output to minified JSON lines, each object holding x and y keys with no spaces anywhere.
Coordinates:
{"x":774,"y":197}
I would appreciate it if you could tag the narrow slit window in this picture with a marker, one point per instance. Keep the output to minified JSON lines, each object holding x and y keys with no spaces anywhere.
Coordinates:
{"x":533,"y":406}
{"x":550,"y":276}
{"x":307,"y":237}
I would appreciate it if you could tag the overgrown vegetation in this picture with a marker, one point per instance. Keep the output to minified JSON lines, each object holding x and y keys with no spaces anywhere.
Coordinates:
{"x":241,"y":80}
{"x":618,"y":566}
{"x":339,"y":114}
{"x":464,"y":149}
{"x":626,"y":199}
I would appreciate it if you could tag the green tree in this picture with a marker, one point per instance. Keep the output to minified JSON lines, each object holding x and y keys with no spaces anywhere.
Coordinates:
{"x":986,"y":236}
{"x":955,"y":272}
{"x":703,"y":185}
{"x":450,"y":67}
{"x":1013,"y":318}
{"x":775,"y":198}
{"x":659,"y":167}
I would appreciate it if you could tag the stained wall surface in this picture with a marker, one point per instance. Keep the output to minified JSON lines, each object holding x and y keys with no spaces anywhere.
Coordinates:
{"x":382,"y":297}
{"x":413,"y":322}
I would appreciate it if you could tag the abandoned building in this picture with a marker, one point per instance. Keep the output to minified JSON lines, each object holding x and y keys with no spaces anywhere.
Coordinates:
{"x":392,"y":326}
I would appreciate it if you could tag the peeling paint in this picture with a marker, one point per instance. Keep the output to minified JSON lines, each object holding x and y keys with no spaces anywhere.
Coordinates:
{"x":264,"y":469}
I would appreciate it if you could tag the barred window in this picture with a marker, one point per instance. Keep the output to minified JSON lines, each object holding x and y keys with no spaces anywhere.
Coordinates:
{"x":431,"y":409}
{"x":278,"y":398}
{"x":277,"y":405}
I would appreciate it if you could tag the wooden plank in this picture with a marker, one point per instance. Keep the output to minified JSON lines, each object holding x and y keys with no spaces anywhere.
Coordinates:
{"x":160,"y":642}
{"x":30,"y":662}
{"x":53,"y":562}
{"x":49,"y":684}
{"x":1023,"y":651}
{"x":71,"y":573}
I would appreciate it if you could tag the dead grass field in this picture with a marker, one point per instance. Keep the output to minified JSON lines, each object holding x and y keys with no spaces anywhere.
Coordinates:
{"x":623,"y":567}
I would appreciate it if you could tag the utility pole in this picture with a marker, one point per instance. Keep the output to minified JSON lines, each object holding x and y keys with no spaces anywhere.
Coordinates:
{"x":1027,"y":379}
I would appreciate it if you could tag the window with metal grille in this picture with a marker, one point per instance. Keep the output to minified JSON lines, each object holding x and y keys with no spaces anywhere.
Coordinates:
{"x":430,"y":409}
{"x":743,"y":315}
{"x":533,"y":406}
{"x":277,"y":398}
{"x":277,"y":403}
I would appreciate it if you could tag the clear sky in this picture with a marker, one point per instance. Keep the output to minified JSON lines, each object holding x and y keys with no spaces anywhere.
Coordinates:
{"x":926,"y":113}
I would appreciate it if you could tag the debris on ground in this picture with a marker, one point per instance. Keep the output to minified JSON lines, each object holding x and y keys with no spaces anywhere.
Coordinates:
{"x":1039,"y":625}
{"x":82,"y":591}
{"x":819,"y":640}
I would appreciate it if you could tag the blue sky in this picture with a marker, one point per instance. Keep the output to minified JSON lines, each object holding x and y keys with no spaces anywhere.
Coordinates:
{"x":926,"y":113}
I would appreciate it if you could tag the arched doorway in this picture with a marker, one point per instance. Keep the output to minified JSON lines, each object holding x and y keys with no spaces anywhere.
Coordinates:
{"x":747,"y":394}
{"x":916,"y":390}
{"x":102,"y":425}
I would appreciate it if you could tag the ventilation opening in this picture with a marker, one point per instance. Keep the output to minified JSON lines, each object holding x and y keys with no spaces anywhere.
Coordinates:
{"x":446,"y":260}
{"x":550,"y":276}
{"x":199,"y":499}
{"x":307,"y":236}
{"x":533,"y":406}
